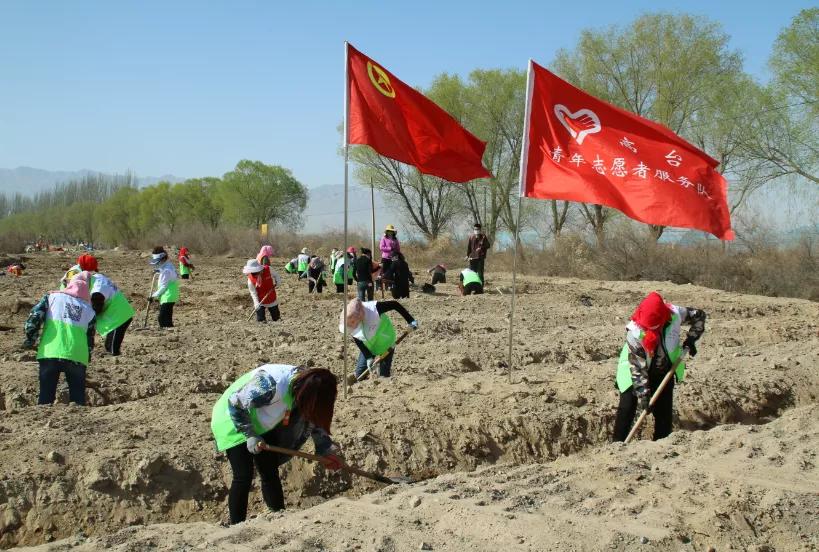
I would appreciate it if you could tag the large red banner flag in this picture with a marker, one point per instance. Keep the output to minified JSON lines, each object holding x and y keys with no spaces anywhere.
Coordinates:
{"x":580,"y":148}
{"x":399,"y":122}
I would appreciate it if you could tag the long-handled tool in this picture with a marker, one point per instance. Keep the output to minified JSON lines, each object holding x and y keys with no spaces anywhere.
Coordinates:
{"x":148,"y":303}
{"x":655,"y":396}
{"x":260,"y":303}
{"x":379,"y":358}
{"x":344,"y":466}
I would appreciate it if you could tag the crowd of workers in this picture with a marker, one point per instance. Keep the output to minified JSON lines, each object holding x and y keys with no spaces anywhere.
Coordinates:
{"x":282,"y":405}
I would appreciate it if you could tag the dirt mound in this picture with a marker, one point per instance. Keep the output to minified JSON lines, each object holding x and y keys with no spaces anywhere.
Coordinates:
{"x":732,"y":487}
{"x":142,"y":453}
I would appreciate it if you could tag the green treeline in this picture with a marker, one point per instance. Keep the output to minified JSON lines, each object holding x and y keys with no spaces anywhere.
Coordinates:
{"x":113,"y":210}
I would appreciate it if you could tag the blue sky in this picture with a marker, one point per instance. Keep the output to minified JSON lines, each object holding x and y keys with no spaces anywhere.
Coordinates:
{"x":189,"y":88}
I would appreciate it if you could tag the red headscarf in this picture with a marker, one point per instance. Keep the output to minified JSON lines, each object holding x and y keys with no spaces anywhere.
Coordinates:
{"x":87,"y":262}
{"x":183,"y":252}
{"x":651,"y":315}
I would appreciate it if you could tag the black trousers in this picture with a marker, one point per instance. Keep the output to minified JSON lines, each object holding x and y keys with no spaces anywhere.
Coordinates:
{"x":274,"y":313}
{"x":318,"y":286}
{"x":166,"y":315}
{"x":113,"y":340}
{"x":476,"y":265}
{"x":185,"y":276}
{"x":438,"y":278}
{"x":473,"y":288}
{"x":663,"y":410}
{"x":242,"y":463}
{"x":50,"y":369}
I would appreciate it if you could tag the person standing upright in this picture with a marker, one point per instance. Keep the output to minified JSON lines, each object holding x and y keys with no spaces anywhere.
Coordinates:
{"x":364,"y":270}
{"x":185,"y":265}
{"x":476,"y":249}
{"x":389,"y":246}
{"x":167,"y":288}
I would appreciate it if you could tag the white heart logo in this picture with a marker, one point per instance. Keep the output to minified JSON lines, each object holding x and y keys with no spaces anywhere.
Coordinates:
{"x":580,"y":123}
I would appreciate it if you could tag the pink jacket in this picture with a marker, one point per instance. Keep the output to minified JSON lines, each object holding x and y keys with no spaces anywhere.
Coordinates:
{"x":388,"y":247}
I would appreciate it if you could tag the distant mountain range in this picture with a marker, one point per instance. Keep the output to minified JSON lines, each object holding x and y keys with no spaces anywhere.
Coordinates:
{"x":324,"y":213}
{"x":28,"y":180}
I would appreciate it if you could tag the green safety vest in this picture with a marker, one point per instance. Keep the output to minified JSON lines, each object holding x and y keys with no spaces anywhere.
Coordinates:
{"x":171,"y":293}
{"x":303,"y":265}
{"x":65,"y":332}
{"x":263,"y":418}
{"x":338,"y":274}
{"x":289,"y":268}
{"x":671,"y":342}
{"x":116,"y":310}
{"x":384,"y":336}
{"x":471,"y":277}
{"x":183,"y":270}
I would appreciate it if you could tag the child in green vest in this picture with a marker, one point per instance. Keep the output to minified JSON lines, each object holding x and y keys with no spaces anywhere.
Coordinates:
{"x":65,"y":346}
{"x":652,"y":346}
{"x":373,"y":332}
{"x":167,"y":288}
{"x":278,"y":405}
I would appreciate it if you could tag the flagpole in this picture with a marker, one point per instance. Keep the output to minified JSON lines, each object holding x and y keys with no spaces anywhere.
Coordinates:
{"x":346,"y":205}
{"x":372,"y":207}
{"x":524,"y":153}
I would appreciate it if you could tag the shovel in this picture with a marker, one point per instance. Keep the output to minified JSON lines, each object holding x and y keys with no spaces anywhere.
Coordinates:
{"x":260,"y":304}
{"x":148,"y":305}
{"x":344,"y":466}
{"x":381,"y":357}
{"x":655,"y":396}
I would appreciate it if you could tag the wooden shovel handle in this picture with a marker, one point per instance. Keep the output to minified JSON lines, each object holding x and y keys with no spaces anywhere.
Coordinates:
{"x":316,"y":458}
{"x":381,"y":357}
{"x":656,"y":395}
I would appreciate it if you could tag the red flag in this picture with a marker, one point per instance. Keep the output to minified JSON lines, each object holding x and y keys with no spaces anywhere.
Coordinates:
{"x":580,"y":148}
{"x":399,"y":122}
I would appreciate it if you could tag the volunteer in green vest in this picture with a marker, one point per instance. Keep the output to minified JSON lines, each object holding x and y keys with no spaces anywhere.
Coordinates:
{"x":67,"y":319}
{"x":469,"y":282}
{"x":114,"y":312}
{"x":373,"y":332}
{"x":279,"y":405}
{"x":185,"y":265}
{"x":338,"y":272}
{"x":652,"y":345}
{"x":167,"y":287}
{"x":303,"y":262}
{"x":290,"y":267}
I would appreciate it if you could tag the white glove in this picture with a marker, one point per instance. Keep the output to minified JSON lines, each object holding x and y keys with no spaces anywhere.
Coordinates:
{"x":253,"y":444}
{"x":414,"y":324}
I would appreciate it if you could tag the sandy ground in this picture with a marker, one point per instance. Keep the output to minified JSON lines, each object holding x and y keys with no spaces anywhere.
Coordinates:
{"x":514,"y":466}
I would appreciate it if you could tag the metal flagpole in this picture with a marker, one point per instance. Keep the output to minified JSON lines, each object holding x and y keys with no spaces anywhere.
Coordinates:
{"x":346,"y":185}
{"x":524,"y":154}
{"x":372,"y":207}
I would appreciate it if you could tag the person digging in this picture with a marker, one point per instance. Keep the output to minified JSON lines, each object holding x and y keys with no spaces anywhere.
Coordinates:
{"x":652,"y":347}
{"x":262,"y":283}
{"x":278,"y":405}
{"x":373,"y":333}
{"x":68,"y":322}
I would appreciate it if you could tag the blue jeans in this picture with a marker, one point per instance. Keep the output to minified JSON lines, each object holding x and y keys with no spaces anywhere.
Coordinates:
{"x":383,"y":367}
{"x":50,"y":369}
{"x":365,"y":291}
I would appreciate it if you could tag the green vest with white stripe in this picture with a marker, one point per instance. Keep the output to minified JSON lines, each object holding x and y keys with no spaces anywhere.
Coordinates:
{"x":65,"y":332}
{"x":671,"y":342}
{"x":116,"y":311}
{"x":263,"y":418}
{"x":338,"y":273}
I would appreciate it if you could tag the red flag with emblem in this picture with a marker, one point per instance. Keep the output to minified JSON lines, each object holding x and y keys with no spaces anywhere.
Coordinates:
{"x":580,"y":148}
{"x":399,"y":122}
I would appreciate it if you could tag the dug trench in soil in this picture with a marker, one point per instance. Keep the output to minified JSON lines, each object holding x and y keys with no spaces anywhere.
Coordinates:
{"x":147,"y":458}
